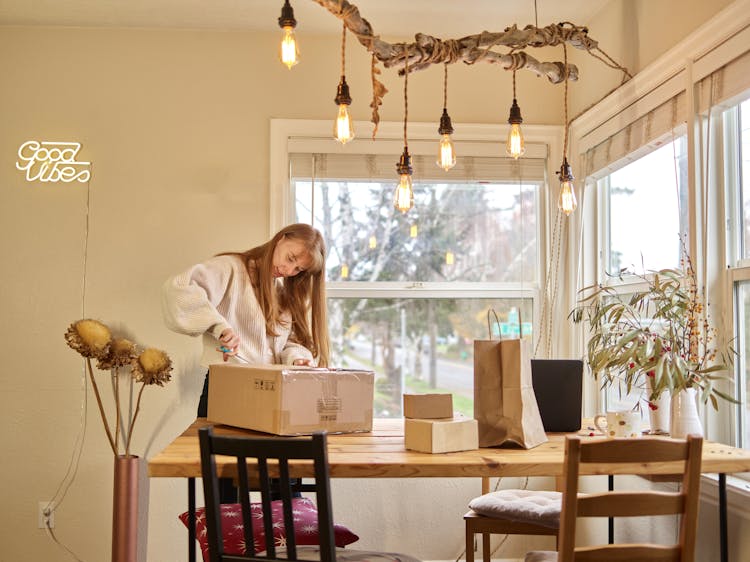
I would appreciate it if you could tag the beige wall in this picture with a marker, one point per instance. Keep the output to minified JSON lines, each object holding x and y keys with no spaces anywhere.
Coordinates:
{"x":635,"y":33}
{"x":176,"y":124}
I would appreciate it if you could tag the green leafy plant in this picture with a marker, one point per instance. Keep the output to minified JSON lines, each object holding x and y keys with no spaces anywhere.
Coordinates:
{"x":662,"y":332}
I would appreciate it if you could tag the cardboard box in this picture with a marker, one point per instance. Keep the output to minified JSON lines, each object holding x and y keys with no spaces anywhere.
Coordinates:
{"x":286,"y":400}
{"x":441,"y":436}
{"x":428,"y":406}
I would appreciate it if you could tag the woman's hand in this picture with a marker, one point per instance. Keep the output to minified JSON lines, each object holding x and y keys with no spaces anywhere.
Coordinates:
{"x":300,"y":362}
{"x":230,"y":341}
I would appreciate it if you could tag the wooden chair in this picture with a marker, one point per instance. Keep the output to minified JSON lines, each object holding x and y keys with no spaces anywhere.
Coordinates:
{"x":618,"y":456}
{"x":279,"y":451}
{"x":510,"y":512}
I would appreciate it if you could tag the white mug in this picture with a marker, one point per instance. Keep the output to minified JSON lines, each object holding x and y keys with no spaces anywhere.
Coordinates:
{"x":624,"y":423}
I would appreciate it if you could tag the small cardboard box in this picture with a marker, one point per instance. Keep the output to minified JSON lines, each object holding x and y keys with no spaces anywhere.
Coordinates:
{"x":286,"y":400}
{"x":441,"y":436}
{"x":428,"y":406}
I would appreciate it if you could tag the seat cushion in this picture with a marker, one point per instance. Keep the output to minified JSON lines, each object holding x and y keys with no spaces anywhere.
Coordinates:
{"x":527,"y":506}
{"x":541,"y":556}
{"x":305,"y":526}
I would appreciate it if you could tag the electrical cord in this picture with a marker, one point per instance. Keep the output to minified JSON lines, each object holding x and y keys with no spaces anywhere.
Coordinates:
{"x":75,"y":457}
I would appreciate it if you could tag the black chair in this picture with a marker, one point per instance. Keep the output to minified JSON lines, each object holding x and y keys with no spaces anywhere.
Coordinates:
{"x":279,"y":451}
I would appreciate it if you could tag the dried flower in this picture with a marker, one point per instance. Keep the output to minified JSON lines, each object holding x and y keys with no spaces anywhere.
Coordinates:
{"x":89,"y":337}
{"x":92,"y":339}
{"x":152,"y":367}
{"x":122,"y":352}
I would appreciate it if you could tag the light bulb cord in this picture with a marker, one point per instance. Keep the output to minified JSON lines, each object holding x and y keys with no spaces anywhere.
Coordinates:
{"x":565,"y":99}
{"x":406,"y":97}
{"x":343,"y":49}
{"x":445,"y":86}
{"x":514,"y":84}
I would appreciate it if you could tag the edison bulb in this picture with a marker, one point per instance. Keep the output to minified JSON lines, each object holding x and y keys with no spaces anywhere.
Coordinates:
{"x":446,"y":153}
{"x":343,"y":129}
{"x":515,"y":146}
{"x":404,"y":197}
{"x":289,"y":51}
{"x":566,"y":202}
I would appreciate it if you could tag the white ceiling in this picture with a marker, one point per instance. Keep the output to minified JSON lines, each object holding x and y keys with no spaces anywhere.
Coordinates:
{"x":397,"y":18}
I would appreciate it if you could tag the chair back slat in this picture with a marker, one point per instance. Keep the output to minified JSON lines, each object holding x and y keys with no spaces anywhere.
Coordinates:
{"x":628,"y":456}
{"x":286,"y":496}
{"x":627,"y":504}
{"x":265,"y":455}
{"x":243,"y":483}
{"x":265,"y":501}
{"x":629,"y":553}
{"x":627,"y":451}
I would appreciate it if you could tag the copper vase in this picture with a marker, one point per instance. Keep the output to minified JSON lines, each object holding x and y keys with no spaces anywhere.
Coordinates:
{"x":125,"y":509}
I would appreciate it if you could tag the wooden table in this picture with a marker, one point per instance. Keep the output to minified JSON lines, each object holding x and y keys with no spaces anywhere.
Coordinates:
{"x":381,"y":454}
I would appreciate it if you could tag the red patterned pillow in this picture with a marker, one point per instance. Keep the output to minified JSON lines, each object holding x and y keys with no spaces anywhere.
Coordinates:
{"x":305,"y":526}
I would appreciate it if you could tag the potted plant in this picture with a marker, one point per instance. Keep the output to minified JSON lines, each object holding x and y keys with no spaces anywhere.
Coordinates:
{"x":659,"y":339}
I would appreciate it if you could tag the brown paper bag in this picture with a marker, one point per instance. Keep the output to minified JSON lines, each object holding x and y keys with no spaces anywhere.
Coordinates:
{"x":505,"y":405}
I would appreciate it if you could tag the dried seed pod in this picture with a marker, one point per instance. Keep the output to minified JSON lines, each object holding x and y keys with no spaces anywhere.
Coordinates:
{"x":89,"y":337}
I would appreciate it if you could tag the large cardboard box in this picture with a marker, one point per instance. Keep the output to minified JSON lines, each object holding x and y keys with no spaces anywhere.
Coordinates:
{"x":428,"y":406}
{"x":441,"y":436}
{"x":286,"y":400}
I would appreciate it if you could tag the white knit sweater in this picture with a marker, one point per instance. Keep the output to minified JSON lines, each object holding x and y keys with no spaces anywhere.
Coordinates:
{"x":217,"y":294}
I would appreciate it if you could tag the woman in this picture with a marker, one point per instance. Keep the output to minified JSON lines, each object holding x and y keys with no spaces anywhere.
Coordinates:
{"x":265,"y":305}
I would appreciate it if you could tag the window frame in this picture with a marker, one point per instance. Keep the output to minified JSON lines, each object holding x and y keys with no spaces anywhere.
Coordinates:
{"x":738,"y":267}
{"x":483,"y":140}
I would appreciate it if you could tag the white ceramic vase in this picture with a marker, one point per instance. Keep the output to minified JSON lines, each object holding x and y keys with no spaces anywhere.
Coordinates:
{"x":685,"y":418}
{"x":659,"y":412}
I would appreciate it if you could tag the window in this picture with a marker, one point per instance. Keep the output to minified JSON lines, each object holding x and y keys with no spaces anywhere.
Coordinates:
{"x":646,"y":210}
{"x":408,"y":293}
{"x":736,"y":121}
{"x":644,"y":215}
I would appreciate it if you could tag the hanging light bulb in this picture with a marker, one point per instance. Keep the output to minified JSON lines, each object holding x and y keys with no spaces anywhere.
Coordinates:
{"x":515,"y":145}
{"x":566,"y":202}
{"x":343,"y":129}
{"x":344,"y":271}
{"x":446,"y":152}
{"x":449,"y":258}
{"x":413,"y":231}
{"x":404,"y":197}
{"x":373,"y":243}
{"x":289,"y":49}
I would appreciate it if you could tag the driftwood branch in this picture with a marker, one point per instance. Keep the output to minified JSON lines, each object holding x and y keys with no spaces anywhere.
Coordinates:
{"x":427,"y":50}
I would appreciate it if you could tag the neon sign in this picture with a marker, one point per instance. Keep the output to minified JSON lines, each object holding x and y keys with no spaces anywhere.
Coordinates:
{"x":52,"y":162}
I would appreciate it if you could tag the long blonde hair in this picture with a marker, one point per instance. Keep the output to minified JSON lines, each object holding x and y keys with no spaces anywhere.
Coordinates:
{"x":303,"y":295}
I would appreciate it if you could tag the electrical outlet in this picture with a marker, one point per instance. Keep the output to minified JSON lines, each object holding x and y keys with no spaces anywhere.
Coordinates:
{"x":46,"y":515}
